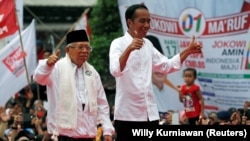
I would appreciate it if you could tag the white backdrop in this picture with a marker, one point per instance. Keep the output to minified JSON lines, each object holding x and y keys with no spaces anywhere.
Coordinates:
{"x":222,"y":27}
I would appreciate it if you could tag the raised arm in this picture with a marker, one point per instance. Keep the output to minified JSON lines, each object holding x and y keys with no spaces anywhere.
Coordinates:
{"x":137,"y":43}
{"x":44,"y":69}
{"x":193,"y":47}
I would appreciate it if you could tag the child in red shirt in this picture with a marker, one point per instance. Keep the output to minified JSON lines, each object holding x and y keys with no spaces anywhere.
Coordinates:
{"x":191,"y":96}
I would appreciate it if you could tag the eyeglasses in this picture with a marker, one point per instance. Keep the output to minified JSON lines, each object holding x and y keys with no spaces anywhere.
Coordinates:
{"x":80,"y":48}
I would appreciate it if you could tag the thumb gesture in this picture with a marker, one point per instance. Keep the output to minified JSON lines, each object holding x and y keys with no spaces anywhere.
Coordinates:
{"x":53,"y":58}
{"x":57,"y":53}
{"x":195,"y":47}
{"x":135,"y":34}
{"x":137,"y":42}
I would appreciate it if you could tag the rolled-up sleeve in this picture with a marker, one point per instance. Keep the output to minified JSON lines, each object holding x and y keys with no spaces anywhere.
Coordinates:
{"x":42,"y":73}
{"x":165,"y":65}
{"x":114,"y":56}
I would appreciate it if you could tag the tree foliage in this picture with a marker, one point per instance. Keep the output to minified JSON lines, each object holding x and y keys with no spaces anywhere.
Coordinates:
{"x":105,"y":25}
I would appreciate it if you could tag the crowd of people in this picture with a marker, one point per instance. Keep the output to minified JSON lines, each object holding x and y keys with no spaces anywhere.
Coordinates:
{"x":232,"y":116}
{"x":72,"y":103}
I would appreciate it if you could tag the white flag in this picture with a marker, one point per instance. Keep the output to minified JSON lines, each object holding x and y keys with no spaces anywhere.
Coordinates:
{"x":12,"y":68}
{"x":82,"y":23}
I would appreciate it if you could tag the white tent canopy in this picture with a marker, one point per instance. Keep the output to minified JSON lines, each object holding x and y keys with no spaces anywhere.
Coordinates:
{"x":74,"y":3}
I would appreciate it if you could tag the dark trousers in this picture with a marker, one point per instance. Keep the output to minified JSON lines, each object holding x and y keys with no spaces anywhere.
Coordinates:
{"x":192,"y":121}
{"x":65,"y":138}
{"x":124,"y":128}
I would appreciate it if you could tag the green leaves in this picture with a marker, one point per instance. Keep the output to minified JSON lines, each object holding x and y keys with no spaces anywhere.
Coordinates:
{"x":105,"y":25}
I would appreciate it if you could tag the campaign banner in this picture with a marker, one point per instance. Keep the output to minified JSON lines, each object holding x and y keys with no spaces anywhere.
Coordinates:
{"x":19,"y":14}
{"x":8,"y":24}
{"x":222,"y":27}
{"x":12,"y":67}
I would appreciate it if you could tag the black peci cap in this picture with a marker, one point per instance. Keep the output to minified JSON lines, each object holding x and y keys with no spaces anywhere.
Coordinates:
{"x":77,"y":36}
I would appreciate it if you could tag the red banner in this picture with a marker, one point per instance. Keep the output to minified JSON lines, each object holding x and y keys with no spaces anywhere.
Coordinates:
{"x":8,"y":22}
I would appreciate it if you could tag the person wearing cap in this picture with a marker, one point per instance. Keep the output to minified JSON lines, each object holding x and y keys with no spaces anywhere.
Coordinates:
{"x":132,"y":58}
{"x":75,"y":93}
{"x":224,"y":117}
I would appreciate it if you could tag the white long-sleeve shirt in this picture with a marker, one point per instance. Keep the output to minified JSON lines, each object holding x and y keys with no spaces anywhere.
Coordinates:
{"x":134,"y":100}
{"x":86,"y":121}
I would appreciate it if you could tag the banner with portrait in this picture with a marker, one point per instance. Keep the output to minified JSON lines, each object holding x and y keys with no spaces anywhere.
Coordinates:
{"x":222,"y":27}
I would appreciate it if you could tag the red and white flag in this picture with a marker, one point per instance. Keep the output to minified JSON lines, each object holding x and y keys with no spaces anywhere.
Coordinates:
{"x":12,"y":67}
{"x":8,"y":20}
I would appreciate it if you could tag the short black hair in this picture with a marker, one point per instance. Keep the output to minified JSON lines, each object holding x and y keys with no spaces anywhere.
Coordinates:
{"x":192,"y":70}
{"x":130,"y":12}
{"x":24,"y":133}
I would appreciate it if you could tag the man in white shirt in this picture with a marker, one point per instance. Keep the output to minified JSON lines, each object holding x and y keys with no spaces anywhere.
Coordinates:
{"x":76,"y":97}
{"x":132,"y":59}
